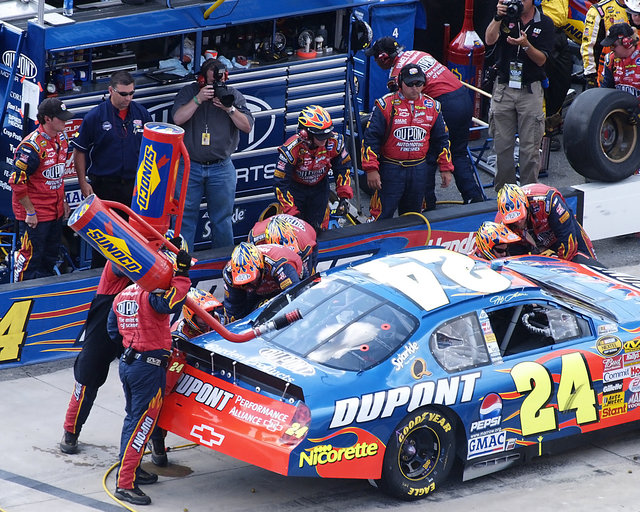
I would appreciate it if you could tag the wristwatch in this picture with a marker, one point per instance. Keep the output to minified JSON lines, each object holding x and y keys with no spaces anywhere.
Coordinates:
{"x":231,"y":110}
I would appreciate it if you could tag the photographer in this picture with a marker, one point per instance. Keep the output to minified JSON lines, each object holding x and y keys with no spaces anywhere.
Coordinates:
{"x":524,"y":37}
{"x":212,"y":115}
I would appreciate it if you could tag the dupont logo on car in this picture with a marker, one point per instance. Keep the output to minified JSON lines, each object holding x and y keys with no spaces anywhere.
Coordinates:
{"x":287,"y":361}
{"x":372,"y":406}
{"x":485,"y":445}
{"x":609,"y":345}
{"x":205,"y":393}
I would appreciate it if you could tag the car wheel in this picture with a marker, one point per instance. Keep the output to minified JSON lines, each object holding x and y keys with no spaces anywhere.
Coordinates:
{"x":599,"y":141}
{"x":419,"y":455}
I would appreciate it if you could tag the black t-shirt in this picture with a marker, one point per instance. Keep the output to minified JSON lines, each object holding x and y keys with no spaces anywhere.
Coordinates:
{"x":540,"y":33}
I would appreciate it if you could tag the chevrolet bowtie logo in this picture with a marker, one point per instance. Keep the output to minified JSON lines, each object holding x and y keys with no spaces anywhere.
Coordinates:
{"x":207,"y":435}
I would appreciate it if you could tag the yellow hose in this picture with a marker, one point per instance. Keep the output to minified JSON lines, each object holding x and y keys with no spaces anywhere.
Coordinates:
{"x":426,"y":221}
{"x":213,"y":7}
{"x":106,"y":475}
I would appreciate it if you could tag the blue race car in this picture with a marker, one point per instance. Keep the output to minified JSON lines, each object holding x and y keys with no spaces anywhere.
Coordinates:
{"x":404,"y":364}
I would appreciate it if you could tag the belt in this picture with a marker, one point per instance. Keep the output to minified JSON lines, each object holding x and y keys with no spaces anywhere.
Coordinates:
{"x":210,"y":162}
{"x":155,"y":361}
{"x":404,"y":163}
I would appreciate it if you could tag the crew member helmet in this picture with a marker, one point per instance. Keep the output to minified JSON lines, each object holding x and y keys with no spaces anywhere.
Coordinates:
{"x":316,"y":121}
{"x":280,"y":231}
{"x":207,"y":302}
{"x":512,"y":204}
{"x":490,"y":234}
{"x":246,"y":264}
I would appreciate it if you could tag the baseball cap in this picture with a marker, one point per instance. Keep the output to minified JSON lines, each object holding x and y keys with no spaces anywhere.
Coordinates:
{"x":616,"y":33}
{"x":386,"y":45}
{"x":53,"y":107}
{"x":411,"y":73}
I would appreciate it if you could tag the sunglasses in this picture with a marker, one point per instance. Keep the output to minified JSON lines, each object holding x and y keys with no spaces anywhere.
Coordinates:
{"x":124,"y":94}
{"x":415,"y":84}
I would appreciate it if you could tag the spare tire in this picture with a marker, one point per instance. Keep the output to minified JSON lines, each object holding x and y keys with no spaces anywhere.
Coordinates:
{"x":599,"y":141}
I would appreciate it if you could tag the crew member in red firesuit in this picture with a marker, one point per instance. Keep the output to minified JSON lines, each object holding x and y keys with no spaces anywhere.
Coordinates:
{"x":621,"y":69}
{"x":495,"y":240}
{"x":457,"y":109}
{"x":541,"y":217}
{"x":301,"y":184}
{"x":254,"y":274}
{"x":283,"y":229}
{"x":141,"y":320}
{"x":403,"y":126}
{"x":37,"y":185}
{"x":91,"y":367}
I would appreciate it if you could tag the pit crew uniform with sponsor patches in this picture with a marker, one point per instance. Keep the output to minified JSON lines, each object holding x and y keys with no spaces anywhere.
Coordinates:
{"x":305,"y":234}
{"x":396,"y":143}
{"x":457,"y":109}
{"x":91,"y":367}
{"x":553,"y":225}
{"x":38,"y":170}
{"x":301,"y":184}
{"x":597,"y":22}
{"x":623,"y":74}
{"x":141,"y":319}
{"x":282,"y":268}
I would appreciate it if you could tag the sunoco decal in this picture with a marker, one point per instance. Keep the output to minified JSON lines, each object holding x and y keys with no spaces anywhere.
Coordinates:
{"x":115,"y":248}
{"x":148,"y":177}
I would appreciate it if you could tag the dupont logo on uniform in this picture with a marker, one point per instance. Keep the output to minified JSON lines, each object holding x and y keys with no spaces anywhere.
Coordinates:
{"x":127,"y":307}
{"x":410,"y":133}
{"x":148,"y":177}
{"x":114,"y":248}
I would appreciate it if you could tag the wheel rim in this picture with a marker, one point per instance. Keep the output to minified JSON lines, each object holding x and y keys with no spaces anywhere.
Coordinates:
{"x":419,"y":453}
{"x":617,"y":136}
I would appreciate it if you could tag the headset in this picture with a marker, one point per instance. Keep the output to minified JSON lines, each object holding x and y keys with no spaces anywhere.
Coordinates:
{"x":218,"y":72}
{"x":537,"y":3}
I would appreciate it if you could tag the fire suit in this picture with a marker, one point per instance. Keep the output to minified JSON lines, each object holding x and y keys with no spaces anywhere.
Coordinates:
{"x":301,"y":184}
{"x":552,"y":224}
{"x":305,"y":235}
{"x":597,"y":22}
{"x":141,"y":320}
{"x":457,"y":109}
{"x":38,"y":171}
{"x":622,"y":74}
{"x":282,"y":269}
{"x":91,"y":367}
{"x":396,"y":143}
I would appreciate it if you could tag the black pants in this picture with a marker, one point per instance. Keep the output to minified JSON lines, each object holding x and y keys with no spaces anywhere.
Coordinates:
{"x":111,"y":189}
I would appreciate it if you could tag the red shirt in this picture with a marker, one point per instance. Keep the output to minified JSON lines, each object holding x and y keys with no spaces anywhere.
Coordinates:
{"x":440,"y":80}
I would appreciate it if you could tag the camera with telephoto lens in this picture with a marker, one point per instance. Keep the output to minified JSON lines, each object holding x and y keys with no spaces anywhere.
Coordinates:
{"x":220,"y":90}
{"x":514,"y":9}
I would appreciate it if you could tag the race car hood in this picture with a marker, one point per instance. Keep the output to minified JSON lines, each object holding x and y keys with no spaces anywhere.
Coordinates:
{"x":616,"y":295}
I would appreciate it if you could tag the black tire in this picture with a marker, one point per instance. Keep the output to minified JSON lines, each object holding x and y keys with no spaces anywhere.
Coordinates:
{"x":419,"y":455}
{"x":599,"y":142}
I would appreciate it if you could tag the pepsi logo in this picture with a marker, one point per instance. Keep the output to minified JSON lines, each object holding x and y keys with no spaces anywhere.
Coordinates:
{"x":491,"y":406}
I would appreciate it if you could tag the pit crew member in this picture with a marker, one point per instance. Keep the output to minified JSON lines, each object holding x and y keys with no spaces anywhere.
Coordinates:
{"x":620,"y":64}
{"x":457,"y":109}
{"x":495,"y":240}
{"x":254,"y":274}
{"x":403,"y":126}
{"x":541,"y":217}
{"x":141,"y":321}
{"x":37,"y":187}
{"x":301,"y":182}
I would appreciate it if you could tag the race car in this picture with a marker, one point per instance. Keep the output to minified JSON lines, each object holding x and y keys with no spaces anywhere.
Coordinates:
{"x":404,"y":364}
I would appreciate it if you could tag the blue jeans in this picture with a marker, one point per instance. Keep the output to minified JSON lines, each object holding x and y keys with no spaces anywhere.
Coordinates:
{"x":217,"y":183}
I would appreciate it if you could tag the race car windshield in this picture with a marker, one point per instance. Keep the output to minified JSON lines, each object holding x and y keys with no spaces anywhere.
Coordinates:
{"x":344,"y":326}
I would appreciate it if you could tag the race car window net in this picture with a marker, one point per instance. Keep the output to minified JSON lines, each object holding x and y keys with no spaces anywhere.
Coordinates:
{"x":344,"y":326}
{"x":458,"y":344}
